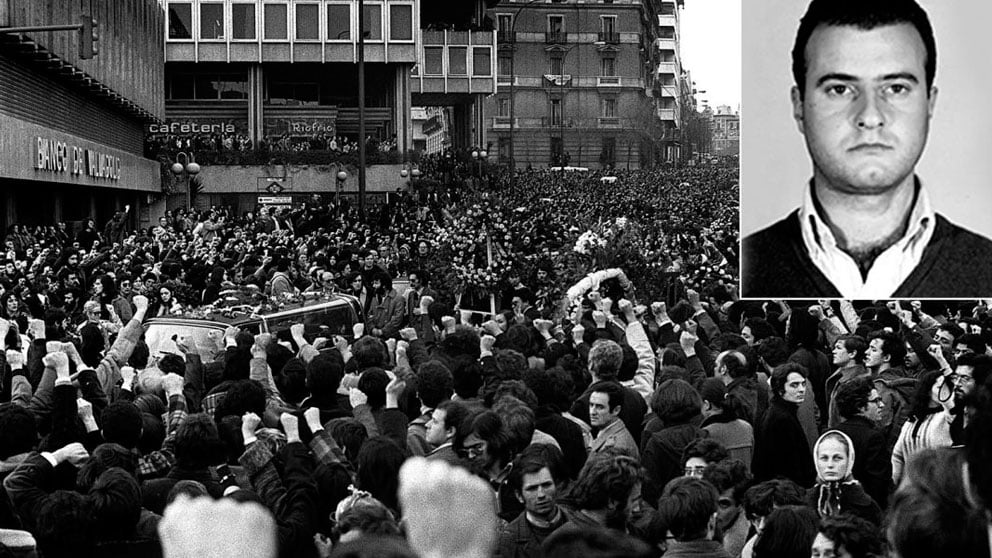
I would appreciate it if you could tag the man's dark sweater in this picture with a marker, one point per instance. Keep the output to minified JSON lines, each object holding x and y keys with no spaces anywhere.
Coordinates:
{"x":777,"y":265}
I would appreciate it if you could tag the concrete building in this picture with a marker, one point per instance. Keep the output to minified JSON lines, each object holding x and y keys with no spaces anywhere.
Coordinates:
{"x":72,"y":129}
{"x":726,"y":131}
{"x":276,"y":80}
{"x":673,"y":85}
{"x":431,"y":129}
{"x":579,"y":83}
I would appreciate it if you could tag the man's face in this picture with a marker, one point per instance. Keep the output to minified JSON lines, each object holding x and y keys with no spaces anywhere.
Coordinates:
{"x":945,"y":339}
{"x":542,"y":275}
{"x":960,"y":349}
{"x":874,"y":356}
{"x":866,"y":110}
{"x":823,"y":547}
{"x":875,"y":405}
{"x":841,"y":356}
{"x":478,"y":450}
{"x":747,"y":335}
{"x":414,"y":282}
{"x":727,"y":509}
{"x":436,"y":433}
{"x":795,"y":388}
{"x":600,"y":413}
{"x":912,"y":359}
{"x":964,"y":381}
{"x":538,"y":492}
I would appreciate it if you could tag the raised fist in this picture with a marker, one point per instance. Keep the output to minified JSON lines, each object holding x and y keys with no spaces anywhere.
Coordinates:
{"x":578,"y":333}
{"x":448,"y":324}
{"x":600,"y":319}
{"x":543,"y":326}
{"x":36,"y":329}
{"x":816,"y":311}
{"x":391,"y":345}
{"x":625,"y":307}
{"x":486,"y":343}
{"x":290,"y":425}
{"x":607,"y":306}
{"x":312,"y":416}
{"x":250,"y":422}
{"x":15,"y":359}
{"x":140,"y":302}
{"x":296,"y":330}
{"x":358,"y":330}
{"x":357,"y":397}
{"x":172,"y":384}
{"x":408,"y":334}
{"x":491,"y":327}
{"x":258,"y":352}
{"x":84,"y":409}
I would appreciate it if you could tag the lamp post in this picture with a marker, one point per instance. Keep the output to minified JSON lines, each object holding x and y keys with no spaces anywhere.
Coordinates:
{"x":478,"y":157}
{"x":361,"y":108}
{"x":187,"y":172}
{"x":341,"y":176}
{"x":513,"y":79}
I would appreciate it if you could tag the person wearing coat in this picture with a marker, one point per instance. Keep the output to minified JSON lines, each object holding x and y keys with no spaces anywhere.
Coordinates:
{"x":836,"y":491}
{"x":386,"y":309}
{"x":781,"y":448}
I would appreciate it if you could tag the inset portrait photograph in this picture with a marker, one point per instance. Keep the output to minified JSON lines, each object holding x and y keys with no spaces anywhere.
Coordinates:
{"x":866,"y":170}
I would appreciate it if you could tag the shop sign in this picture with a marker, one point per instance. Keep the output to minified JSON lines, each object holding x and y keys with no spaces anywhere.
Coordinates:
{"x":55,"y":156}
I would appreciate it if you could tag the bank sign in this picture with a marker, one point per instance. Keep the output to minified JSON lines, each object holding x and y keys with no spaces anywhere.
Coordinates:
{"x":56,"y":156}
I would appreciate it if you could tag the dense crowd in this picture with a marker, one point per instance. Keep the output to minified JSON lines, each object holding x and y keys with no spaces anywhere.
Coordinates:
{"x":621,"y":402}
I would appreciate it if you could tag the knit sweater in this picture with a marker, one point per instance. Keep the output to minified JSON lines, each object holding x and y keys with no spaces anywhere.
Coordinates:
{"x":934,"y":432}
{"x":776,"y":264}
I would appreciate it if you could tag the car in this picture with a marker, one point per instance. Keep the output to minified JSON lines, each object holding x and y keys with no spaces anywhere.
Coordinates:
{"x":322,"y":315}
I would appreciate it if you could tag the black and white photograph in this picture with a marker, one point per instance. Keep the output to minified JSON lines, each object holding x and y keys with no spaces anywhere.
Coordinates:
{"x":882,"y":191}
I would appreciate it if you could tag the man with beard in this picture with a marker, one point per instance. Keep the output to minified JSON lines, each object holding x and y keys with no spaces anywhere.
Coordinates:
{"x":536,"y":487}
{"x":386,"y":309}
{"x":971,"y":371}
{"x":606,"y":494}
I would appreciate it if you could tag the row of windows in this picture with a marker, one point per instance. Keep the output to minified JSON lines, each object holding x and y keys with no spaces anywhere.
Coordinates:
{"x":556,"y":23}
{"x":240,"y":21}
{"x":607,"y":65}
{"x":212,"y":87}
{"x":457,"y":61}
{"x":607,"y":109}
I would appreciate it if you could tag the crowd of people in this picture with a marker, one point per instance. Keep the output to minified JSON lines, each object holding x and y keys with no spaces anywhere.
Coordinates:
{"x":620,"y":402}
{"x":228,"y":148}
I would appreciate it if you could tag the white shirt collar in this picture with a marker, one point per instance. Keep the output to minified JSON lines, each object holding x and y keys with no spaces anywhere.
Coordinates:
{"x":890,"y":268}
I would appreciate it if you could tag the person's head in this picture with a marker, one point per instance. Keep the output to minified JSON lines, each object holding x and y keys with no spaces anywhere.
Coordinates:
{"x":610,"y":483}
{"x":535,"y":478}
{"x":676,"y":402}
{"x":65,"y":525}
{"x":605,"y":359}
{"x":121,"y":423}
{"x":605,"y":403}
{"x":761,"y":499}
{"x":971,"y":370}
{"x":369,"y":352}
{"x":788,"y":533}
{"x":849,"y":349}
{"x":418,"y":278}
{"x":116,"y":504}
{"x":486,"y":442}
{"x":731,"y":477}
{"x":756,"y":329}
{"x":833,"y":455}
{"x":324,"y":375}
{"x":373,"y":384}
{"x":864,"y":92}
{"x":847,"y":535}
{"x":700,"y":454}
{"x":858,"y":397}
{"x":730,"y":365}
{"x":434,"y":383}
{"x":378,"y":469}
{"x":444,"y":421}
{"x":946,"y":334}
{"x":595,"y":543}
{"x":885,"y":349}
{"x":518,"y":420}
{"x":688,"y":506}
{"x":972,"y":343}
{"x":366,"y":519}
{"x":788,"y":382}
{"x":932,"y":513}
{"x":773,"y":351}
{"x":198,"y":444}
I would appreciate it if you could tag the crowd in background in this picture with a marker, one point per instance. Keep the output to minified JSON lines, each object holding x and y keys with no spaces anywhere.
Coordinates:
{"x":620,"y":402}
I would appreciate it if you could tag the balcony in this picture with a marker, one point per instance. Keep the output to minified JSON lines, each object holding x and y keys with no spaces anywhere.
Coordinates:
{"x":608,"y":81}
{"x":608,"y":122}
{"x":609,"y":37}
{"x":669,"y":91}
{"x":668,"y":68}
{"x":555,"y":38}
{"x":506,"y":37}
{"x":669,"y":44}
{"x":666,"y":114}
{"x":668,"y":20}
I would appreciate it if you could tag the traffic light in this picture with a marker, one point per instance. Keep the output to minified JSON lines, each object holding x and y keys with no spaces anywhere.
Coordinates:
{"x":89,"y":36}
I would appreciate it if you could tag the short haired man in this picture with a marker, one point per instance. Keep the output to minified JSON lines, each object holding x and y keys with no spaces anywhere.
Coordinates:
{"x":441,"y":430}
{"x":689,"y":508}
{"x":605,"y":402}
{"x":863,"y":98}
{"x":848,"y":355}
{"x":535,"y":485}
{"x":860,"y":405}
{"x":884,"y":359}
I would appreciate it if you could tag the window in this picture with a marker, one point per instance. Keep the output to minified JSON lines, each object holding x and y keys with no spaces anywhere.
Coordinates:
{"x":401,"y":23}
{"x":504,"y":22}
{"x":433,"y":61}
{"x":211,"y":21}
{"x":557,"y":64}
{"x":503,"y":106}
{"x":481,"y":62}
{"x":608,"y":67}
{"x":609,"y":107}
{"x":338,"y":22}
{"x":504,"y":64}
{"x":209,"y":87}
{"x":180,"y":86}
{"x":275,"y":22}
{"x":557,"y":150}
{"x":457,"y":62}
{"x":307,"y":22}
{"x":556,"y":24}
{"x":609,"y":154}
{"x":373,"y":22}
{"x":243,"y":21}
{"x":608,"y":24}
{"x":555,"y":112}
{"x":180,"y":21}
{"x":294,"y":93}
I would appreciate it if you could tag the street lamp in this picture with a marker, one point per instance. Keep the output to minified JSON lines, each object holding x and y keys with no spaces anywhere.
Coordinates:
{"x":478,"y":157}
{"x":187,"y":172}
{"x":341,"y":177}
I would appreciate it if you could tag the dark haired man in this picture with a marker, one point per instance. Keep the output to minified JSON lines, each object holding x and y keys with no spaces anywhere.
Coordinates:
{"x":861,"y":407}
{"x":848,"y":355}
{"x":536,"y":487}
{"x":605,"y":403}
{"x":884,"y":359}
{"x":689,"y":508}
{"x":441,"y":430}
{"x":863,"y":98}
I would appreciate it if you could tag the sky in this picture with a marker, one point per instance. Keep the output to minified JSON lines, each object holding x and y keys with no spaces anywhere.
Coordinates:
{"x":711,"y":49}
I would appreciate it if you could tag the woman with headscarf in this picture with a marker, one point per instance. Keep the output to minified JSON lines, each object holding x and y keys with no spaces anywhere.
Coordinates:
{"x":836,"y":491}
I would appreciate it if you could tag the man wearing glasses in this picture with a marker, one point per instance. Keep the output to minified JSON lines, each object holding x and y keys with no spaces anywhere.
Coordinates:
{"x":860,"y":405}
{"x":971,"y":370}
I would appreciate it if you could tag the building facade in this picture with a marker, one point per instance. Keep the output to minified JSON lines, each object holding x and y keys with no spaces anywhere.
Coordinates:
{"x":579,"y":83}
{"x":272,"y":86}
{"x":72,"y":129}
{"x":726,"y":132}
